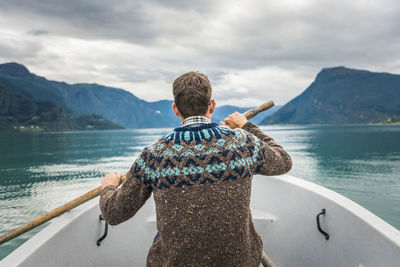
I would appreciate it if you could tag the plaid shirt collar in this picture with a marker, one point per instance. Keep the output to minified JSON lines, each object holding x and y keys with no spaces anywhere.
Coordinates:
{"x":195,"y":121}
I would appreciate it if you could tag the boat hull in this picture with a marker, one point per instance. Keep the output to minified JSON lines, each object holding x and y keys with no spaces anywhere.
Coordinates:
{"x":284,"y":212}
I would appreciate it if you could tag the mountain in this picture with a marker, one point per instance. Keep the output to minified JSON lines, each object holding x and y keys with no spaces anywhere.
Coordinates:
{"x":22,"y":112}
{"x":341,"y":95}
{"x":113,"y":104}
{"x":222,"y":112}
{"x":17,"y":109}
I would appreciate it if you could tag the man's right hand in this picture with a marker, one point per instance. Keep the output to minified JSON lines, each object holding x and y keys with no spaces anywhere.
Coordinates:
{"x":235,"y":120}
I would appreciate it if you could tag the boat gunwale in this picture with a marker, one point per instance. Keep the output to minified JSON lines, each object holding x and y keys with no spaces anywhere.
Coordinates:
{"x":390,"y":233}
{"x":374,"y":221}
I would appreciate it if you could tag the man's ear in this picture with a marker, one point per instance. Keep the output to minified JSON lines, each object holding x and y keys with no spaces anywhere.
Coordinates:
{"x":175,"y":110}
{"x":212,"y":106}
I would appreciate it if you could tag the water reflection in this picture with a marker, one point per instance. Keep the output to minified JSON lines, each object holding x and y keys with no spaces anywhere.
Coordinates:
{"x":40,"y":171}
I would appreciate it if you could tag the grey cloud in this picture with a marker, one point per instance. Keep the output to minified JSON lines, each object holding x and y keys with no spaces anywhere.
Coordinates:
{"x":319,"y":35}
{"x":134,"y":21}
{"x":19,"y":50}
{"x":84,"y":19}
{"x":325,"y":32}
{"x":135,"y":75}
{"x":210,"y":37}
{"x":38,"y":32}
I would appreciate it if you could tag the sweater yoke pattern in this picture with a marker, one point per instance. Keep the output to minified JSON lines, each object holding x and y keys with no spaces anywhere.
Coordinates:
{"x":199,"y":155}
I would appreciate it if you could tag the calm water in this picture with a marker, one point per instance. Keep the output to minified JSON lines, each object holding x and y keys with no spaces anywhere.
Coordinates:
{"x":40,"y":171}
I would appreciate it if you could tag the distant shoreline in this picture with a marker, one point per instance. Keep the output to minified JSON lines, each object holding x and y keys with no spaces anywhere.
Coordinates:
{"x":41,"y":130}
{"x":390,"y":121}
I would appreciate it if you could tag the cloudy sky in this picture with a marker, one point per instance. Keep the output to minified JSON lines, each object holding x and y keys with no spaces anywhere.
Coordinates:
{"x":252,"y":51}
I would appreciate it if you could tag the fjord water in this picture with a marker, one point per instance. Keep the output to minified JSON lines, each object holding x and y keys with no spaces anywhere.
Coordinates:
{"x":40,"y":171}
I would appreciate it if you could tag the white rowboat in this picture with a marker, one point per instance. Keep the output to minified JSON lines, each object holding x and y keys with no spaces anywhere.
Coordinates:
{"x":284,"y":210}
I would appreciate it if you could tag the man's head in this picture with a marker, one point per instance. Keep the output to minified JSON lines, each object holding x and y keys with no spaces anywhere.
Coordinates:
{"x":192,"y":95}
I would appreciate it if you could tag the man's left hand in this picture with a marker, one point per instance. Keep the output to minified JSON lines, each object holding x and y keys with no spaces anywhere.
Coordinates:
{"x":111,"y":179}
{"x":235,"y":120}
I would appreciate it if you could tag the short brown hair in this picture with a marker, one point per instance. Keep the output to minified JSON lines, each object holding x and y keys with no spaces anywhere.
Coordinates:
{"x":192,"y":94}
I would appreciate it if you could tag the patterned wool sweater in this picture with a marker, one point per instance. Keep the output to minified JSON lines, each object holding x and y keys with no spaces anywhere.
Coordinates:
{"x":201,"y":179}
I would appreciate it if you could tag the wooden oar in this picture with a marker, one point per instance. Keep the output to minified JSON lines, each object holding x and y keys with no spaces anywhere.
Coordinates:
{"x":266,"y":261}
{"x":54,"y":213}
{"x":252,"y":112}
{"x":92,"y":194}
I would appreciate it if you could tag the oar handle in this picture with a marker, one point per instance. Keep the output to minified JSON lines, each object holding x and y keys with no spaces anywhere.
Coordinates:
{"x":93,"y":193}
{"x":252,"y":112}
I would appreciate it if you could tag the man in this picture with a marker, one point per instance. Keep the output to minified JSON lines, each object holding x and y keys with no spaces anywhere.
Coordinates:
{"x":200,"y":175}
